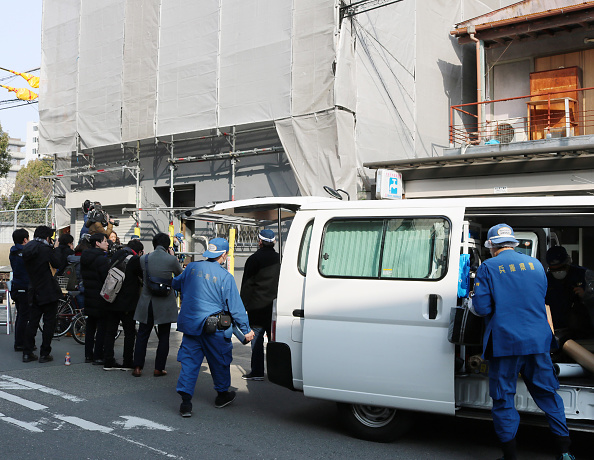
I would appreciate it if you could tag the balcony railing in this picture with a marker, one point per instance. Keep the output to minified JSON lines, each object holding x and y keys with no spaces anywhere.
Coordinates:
{"x":540,"y":116}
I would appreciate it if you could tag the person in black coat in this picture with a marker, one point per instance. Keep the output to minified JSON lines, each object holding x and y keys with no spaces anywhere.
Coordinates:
{"x":44,"y":292}
{"x":18,"y":287}
{"x":94,"y":266}
{"x":123,"y":307}
{"x":65,"y":249}
{"x":259,"y":287}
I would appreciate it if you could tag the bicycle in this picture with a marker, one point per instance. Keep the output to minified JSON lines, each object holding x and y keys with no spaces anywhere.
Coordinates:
{"x":70,"y":317}
{"x":68,"y":310}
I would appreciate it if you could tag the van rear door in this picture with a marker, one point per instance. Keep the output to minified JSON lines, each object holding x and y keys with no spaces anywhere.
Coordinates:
{"x":380,"y":284}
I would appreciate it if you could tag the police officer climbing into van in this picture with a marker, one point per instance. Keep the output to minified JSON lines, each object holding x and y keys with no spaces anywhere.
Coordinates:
{"x":510,"y":292}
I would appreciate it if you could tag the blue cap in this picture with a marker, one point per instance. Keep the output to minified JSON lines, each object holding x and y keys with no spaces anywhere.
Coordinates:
{"x":179,"y":236}
{"x":216,"y":247}
{"x":267,"y":235}
{"x":501,"y":233}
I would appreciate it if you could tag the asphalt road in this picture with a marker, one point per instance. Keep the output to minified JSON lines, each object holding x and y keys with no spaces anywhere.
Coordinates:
{"x":52,"y":411}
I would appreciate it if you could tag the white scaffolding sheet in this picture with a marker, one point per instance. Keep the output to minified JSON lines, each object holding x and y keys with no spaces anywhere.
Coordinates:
{"x":57,"y":91}
{"x":321,"y":150}
{"x":313,"y":56}
{"x":100,"y":73}
{"x":385,"y":58}
{"x":255,"y":61}
{"x":140,"y":69}
{"x":187,"y":75}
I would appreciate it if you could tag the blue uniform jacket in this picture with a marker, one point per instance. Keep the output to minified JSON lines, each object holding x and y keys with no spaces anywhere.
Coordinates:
{"x":207,"y":288}
{"x":20,"y":278}
{"x":510,"y":291}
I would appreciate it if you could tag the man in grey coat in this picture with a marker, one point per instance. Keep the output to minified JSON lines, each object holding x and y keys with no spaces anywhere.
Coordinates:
{"x":156,"y":309}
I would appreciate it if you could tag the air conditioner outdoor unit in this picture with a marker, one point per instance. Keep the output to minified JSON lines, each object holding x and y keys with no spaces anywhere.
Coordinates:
{"x":507,"y":130}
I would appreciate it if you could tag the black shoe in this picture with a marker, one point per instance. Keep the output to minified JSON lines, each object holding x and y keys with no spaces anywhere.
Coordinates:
{"x":98,"y":362}
{"x":224,"y":399}
{"x":19,"y":348}
{"x":46,"y":358}
{"x":251,"y":376}
{"x":30,"y":357}
{"x":128,"y":366}
{"x":88,"y":360}
{"x":185,"y":409}
{"x":114,"y":366}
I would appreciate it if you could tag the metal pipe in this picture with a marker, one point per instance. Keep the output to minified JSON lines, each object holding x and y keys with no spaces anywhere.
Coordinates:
{"x":280,"y":236}
{"x":171,"y":188}
{"x":479,"y":80}
{"x":233,"y":161}
{"x":222,"y":156}
{"x":14,"y":225}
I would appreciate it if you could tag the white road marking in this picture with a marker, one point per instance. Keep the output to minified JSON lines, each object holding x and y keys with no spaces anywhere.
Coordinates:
{"x":25,"y":425}
{"x":162,"y":452}
{"x":23,"y":402}
{"x":43,"y":389}
{"x":12,"y":386}
{"x":136,"y":422}
{"x":84,"y":424}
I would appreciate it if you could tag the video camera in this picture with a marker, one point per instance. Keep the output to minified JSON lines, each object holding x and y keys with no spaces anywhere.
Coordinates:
{"x":95,"y":213}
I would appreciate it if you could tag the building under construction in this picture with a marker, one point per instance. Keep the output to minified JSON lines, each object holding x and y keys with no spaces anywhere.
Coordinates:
{"x":159,"y":105}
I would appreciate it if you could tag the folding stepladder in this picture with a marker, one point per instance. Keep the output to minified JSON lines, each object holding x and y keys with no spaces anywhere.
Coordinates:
{"x":6,"y":306}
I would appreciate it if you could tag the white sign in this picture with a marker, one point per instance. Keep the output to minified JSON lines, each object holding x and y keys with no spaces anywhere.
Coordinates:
{"x":388,"y":185}
{"x":502,"y":189}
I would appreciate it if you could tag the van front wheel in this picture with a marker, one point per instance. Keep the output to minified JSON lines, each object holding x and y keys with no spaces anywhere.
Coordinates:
{"x":372,"y":423}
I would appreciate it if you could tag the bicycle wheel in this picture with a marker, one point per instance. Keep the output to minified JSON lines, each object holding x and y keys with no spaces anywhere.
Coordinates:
{"x":79,"y":328}
{"x":63,"y":318}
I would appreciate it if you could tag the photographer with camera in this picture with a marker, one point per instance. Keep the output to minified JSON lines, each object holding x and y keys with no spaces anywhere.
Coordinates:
{"x":98,"y":221}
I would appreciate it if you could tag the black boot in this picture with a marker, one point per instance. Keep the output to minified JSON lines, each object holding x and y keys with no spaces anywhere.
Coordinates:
{"x":509,"y":450}
{"x":185,"y":408}
{"x":562,"y":444}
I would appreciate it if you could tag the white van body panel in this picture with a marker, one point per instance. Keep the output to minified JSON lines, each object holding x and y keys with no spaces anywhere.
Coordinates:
{"x":291,"y":288}
{"x":371,"y":341}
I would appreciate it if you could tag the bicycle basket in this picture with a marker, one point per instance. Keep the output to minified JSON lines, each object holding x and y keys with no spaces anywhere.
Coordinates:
{"x":62,"y":281}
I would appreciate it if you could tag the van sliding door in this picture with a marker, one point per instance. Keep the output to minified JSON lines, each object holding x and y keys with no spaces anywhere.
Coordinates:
{"x":377,"y":301}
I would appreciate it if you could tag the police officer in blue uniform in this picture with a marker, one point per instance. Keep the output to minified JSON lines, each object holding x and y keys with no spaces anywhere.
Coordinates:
{"x":510,"y":293}
{"x":207,"y":290}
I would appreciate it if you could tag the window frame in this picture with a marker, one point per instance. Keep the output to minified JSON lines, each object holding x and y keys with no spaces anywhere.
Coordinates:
{"x":385,"y":220}
{"x":309,"y":224}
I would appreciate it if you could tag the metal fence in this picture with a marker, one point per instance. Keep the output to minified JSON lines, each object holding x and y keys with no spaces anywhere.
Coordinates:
{"x":28,"y":218}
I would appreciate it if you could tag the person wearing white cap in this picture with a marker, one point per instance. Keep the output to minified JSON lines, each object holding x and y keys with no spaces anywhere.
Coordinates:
{"x":208,"y":292}
{"x":259,"y":287}
{"x":510,"y":292}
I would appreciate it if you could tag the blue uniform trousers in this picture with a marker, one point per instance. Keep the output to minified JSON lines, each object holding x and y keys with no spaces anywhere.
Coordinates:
{"x":218,"y":352}
{"x":541,"y":381}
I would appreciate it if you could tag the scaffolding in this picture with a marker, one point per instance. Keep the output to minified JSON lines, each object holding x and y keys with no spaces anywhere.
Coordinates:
{"x":89,"y":171}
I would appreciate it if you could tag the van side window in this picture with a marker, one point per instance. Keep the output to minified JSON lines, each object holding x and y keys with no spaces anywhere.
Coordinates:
{"x":304,"y":249}
{"x":352,"y":248}
{"x":408,"y":248}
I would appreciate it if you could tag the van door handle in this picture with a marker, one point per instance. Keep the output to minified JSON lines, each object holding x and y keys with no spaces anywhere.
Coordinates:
{"x":433,"y":306}
{"x":298,"y":313}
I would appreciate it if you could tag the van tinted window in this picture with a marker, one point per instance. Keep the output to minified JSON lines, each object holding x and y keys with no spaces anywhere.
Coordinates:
{"x":409,"y":248}
{"x":304,"y":249}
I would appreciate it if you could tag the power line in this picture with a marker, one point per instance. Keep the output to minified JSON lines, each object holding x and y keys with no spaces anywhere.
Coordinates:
{"x":19,"y":105}
{"x":363,"y":6}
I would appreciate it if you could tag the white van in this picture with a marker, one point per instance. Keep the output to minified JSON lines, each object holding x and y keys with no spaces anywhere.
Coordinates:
{"x":364,"y":300}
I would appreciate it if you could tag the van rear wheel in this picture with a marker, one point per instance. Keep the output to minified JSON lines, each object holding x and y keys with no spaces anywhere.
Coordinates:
{"x":373,"y":423}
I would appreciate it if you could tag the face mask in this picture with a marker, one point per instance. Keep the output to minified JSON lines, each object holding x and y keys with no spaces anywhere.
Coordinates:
{"x":559,"y":275}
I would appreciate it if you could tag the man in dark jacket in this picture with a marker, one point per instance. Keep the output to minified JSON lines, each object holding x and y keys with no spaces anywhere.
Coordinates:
{"x":94,"y":266}
{"x":65,"y":249}
{"x":259,"y":286}
{"x":123,"y":307}
{"x":18,"y":287}
{"x":44,"y":292}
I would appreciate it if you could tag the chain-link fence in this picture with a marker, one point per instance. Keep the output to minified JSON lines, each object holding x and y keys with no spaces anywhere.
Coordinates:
{"x":29,"y":219}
